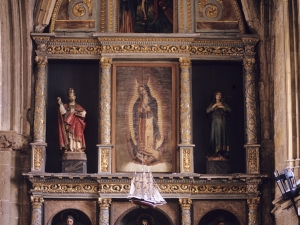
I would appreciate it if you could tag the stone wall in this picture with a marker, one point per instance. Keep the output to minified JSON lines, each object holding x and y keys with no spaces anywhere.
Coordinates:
{"x":15,"y":102}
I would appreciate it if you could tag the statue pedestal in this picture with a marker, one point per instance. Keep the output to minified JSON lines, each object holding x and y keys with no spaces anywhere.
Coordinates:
{"x":74,"y":162}
{"x":217,"y":166}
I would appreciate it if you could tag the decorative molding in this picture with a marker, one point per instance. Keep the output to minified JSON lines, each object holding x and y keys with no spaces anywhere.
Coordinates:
{"x":14,"y":141}
{"x":181,"y":16}
{"x":189,"y":15}
{"x":238,"y":13}
{"x":110,"y":15}
{"x":102,"y":16}
{"x":105,"y":159}
{"x":252,"y":159}
{"x":54,"y":15}
{"x":219,"y":189}
{"x":187,"y":159}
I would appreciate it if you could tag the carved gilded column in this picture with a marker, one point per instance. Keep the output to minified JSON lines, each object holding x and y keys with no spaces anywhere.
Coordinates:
{"x":105,"y":146}
{"x":185,"y":204}
{"x":252,"y":148}
{"x":104,"y":204}
{"x":36,"y":213}
{"x":253,"y":204}
{"x":186,"y":147}
{"x":38,"y":147}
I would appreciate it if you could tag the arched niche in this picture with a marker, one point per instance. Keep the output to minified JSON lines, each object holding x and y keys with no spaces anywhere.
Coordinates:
{"x":136,"y":215}
{"x":60,"y":218}
{"x":215,"y":217}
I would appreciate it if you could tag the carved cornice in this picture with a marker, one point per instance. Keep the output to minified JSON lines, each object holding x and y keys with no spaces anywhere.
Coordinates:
{"x":185,"y":44}
{"x":242,"y":187}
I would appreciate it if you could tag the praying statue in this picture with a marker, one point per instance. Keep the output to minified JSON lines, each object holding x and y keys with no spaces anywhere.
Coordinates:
{"x":71,"y":124}
{"x":219,"y":144}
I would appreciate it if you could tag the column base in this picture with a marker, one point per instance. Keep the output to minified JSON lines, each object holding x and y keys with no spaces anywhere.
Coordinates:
{"x":74,"y":162}
{"x":217,"y":166}
{"x":186,"y":158}
{"x":104,"y":158}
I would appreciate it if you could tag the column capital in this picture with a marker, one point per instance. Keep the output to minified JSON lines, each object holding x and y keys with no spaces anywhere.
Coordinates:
{"x":185,"y":203}
{"x":250,"y":43}
{"x":248,"y":63}
{"x":105,"y":62}
{"x":41,"y":60}
{"x":36,"y":201}
{"x":104,"y":203}
{"x":185,"y":62}
{"x":253,"y":203}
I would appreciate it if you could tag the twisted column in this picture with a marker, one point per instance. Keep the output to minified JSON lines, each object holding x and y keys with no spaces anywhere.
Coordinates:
{"x":104,"y":204}
{"x":36,"y":213}
{"x":185,"y":204}
{"x":253,"y":204}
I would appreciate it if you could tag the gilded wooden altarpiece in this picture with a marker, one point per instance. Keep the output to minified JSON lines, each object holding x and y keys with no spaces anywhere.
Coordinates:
{"x":170,"y":54}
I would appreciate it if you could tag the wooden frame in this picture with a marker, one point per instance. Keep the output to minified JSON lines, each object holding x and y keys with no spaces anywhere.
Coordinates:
{"x":156,"y":125}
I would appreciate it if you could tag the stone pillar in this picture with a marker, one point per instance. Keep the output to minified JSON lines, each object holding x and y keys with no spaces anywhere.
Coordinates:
{"x":252,"y":148}
{"x":186,"y":148}
{"x":185,"y":204}
{"x":105,"y":146}
{"x":104,"y":204}
{"x":253,"y":204}
{"x":38,"y":155}
{"x":36,"y":214}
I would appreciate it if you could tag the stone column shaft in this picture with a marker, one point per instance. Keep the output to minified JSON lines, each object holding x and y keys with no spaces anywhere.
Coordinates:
{"x":104,"y":204}
{"x":40,"y":99}
{"x":185,"y":204}
{"x":252,"y":148}
{"x":36,"y":214}
{"x":105,"y":147}
{"x":253,"y":204}
{"x":185,"y":101}
{"x":105,"y":104}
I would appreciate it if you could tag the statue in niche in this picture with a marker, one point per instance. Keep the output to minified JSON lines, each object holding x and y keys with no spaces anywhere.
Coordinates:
{"x":71,"y":124}
{"x":218,"y":112}
{"x":145,"y":219}
{"x":147,"y":138}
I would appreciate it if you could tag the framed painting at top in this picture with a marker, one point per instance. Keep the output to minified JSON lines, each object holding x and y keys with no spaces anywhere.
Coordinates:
{"x":144,"y":117}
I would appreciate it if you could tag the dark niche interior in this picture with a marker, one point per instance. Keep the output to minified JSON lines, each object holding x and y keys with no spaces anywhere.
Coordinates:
{"x":218,"y":216}
{"x":79,"y":217}
{"x":207,"y":78}
{"x":83,"y":76}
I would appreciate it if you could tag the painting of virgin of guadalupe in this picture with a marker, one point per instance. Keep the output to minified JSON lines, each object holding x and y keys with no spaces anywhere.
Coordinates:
{"x":144,"y":118}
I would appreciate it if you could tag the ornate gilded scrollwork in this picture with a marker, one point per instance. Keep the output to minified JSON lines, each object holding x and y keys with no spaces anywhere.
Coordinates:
{"x":252,"y":159}
{"x":104,"y":159}
{"x":38,"y":157}
{"x":186,"y":159}
{"x":219,"y":189}
{"x":210,"y":9}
